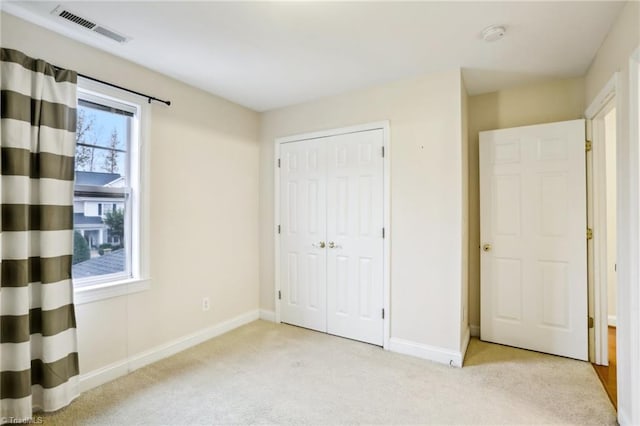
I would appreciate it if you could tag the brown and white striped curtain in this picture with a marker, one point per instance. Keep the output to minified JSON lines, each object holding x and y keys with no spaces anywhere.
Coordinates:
{"x":38,"y":344}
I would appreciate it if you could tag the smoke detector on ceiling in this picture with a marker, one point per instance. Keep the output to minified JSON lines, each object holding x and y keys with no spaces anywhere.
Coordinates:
{"x":493,"y":33}
{"x":71,"y":17}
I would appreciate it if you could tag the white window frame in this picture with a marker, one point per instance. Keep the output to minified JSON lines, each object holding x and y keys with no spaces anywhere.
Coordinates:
{"x":136,"y":277}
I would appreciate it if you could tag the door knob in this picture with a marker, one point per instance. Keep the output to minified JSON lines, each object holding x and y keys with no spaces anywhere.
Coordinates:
{"x":318,"y":245}
{"x":486,"y":247}
{"x":334,"y":245}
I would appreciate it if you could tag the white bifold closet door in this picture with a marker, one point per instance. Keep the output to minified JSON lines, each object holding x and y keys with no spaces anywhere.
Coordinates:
{"x":303,"y":255}
{"x":331,"y":252}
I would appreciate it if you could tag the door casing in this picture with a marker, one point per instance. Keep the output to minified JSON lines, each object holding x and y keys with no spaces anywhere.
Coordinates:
{"x":386,"y":279}
{"x":597,"y":220}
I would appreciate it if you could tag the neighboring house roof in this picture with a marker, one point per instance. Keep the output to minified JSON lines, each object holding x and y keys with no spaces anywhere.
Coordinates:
{"x":118,"y":183}
{"x":96,"y":178}
{"x":109,"y":263}
{"x":81,"y":219}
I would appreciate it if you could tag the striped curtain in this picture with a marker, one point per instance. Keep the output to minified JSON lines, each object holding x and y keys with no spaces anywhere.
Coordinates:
{"x":38,"y":344}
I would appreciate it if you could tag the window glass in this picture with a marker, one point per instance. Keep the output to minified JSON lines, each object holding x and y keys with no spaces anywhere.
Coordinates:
{"x":101,"y":203}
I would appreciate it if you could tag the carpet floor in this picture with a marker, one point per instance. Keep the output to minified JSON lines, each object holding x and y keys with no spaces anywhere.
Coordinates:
{"x":278,"y":374}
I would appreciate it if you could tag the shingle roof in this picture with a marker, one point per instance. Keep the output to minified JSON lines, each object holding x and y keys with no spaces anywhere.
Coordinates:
{"x":109,"y":263}
{"x":95,"y":178}
{"x":81,"y":219}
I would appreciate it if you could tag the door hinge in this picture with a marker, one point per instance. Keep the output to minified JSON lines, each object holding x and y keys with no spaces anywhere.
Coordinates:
{"x":382,"y":232}
{"x":279,"y":229}
{"x":589,"y":234}
{"x":278,"y":163}
{"x":382,"y":313}
{"x":590,"y":322}
{"x":279,"y":295}
{"x":588,"y":146}
{"x":383,"y":152}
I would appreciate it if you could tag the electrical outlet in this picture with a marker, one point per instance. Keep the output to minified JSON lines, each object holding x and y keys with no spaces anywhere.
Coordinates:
{"x":206,"y":305}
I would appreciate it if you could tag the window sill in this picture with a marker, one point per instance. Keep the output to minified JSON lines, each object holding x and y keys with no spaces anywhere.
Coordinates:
{"x":102,"y":291}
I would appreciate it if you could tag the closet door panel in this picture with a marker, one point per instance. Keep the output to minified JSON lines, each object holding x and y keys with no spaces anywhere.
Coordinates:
{"x":303,"y":259}
{"x":355,"y":208}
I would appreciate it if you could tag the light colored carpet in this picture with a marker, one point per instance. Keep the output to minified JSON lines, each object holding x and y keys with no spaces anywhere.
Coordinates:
{"x":279,"y":374}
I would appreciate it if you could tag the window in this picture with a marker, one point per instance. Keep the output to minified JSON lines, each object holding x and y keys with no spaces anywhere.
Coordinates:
{"x":107,"y":202}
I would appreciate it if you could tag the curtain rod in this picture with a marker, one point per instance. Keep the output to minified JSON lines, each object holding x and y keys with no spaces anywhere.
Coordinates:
{"x":150,"y":98}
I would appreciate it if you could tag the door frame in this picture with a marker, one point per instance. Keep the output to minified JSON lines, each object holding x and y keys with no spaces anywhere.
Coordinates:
{"x":386,"y":163}
{"x":628,"y":309}
{"x":596,"y":216}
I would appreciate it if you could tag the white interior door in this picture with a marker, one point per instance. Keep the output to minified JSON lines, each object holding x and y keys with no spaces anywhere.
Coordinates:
{"x":331,"y":237}
{"x":354,"y":236}
{"x":533,"y":236}
{"x":303,"y":256}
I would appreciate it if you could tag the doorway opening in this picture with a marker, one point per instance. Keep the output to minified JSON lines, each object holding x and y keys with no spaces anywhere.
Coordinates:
{"x":604,"y":248}
{"x":603,"y":189}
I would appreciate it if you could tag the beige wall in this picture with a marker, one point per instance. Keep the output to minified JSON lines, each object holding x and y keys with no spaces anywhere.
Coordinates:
{"x":615,"y":51}
{"x":557,"y":100}
{"x":613,"y":56}
{"x":204,"y":207}
{"x":465,"y":211}
{"x":426,"y":196}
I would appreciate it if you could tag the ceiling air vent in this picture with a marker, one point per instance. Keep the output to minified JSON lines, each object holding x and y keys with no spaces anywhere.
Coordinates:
{"x":76,"y":19}
{"x":108,"y":33}
{"x":88,"y":24}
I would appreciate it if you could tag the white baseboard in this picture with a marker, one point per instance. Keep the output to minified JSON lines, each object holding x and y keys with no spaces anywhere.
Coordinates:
{"x":622,"y":418}
{"x":432,"y":353}
{"x":113,"y":371}
{"x":612,"y":320}
{"x":475,"y":330}
{"x":103,"y":375}
{"x":267,"y":315}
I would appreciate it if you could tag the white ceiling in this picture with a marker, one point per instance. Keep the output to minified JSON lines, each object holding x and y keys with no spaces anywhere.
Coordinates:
{"x":266,"y":55}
